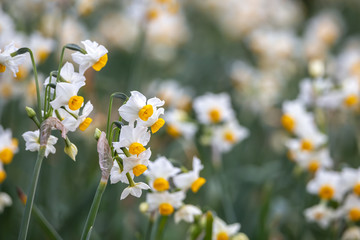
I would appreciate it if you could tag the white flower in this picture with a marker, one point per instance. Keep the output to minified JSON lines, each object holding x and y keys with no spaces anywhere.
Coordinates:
{"x":165,"y":202}
{"x":159,"y":173}
{"x":351,"y":208}
{"x":187,"y":213}
{"x":313,"y":161}
{"x":351,"y":179}
{"x":69,"y":75}
{"x":178,"y":126}
{"x":136,"y":190}
{"x":223,"y":231}
{"x":116,"y":175}
{"x":311,"y":140}
{"x":213,"y":108}
{"x":66,"y":95}
{"x":227,"y":135}
{"x":327,"y":185}
{"x":138,"y":108}
{"x":5,"y":201}
{"x":6,"y":61}
{"x":133,"y":138}
{"x":32,"y":142}
{"x":137,"y":163}
{"x":8,"y":146}
{"x":320,"y":214}
{"x":82,"y":122}
{"x":96,"y":56}
{"x":41,"y":46}
{"x":191,"y":179}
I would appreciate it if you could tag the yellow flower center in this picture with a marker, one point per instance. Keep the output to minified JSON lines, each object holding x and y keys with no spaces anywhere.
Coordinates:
{"x":2,"y":68}
{"x":215,"y":115}
{"x":101,"y":63}
{"x":318,"y":215}
{"x":313,"y":166}
{"x":288,"y":122}
{"x":326,"y":192}
{"x":166,"y":209}
{"x":43,"y":54}
{"x":222,"y":236}
{"x":85,"y":124}
{"x":6,"y":155}
{"x":136,"y":148}
{"x":139,"y":169}
{"x":229,"y":137}
{"x":356,"y":189}
{"x":173,"y":131}
{"x":2,"y":176}
{"x":152,"y":14}
{"x":196,"y":185}
{"x":75,"y":102}
{"x":22,"y":73}
{"x":161,"y":184}
{"x":306,"y":145}
{"x":351,"y":100}
{"x":354,"y":214}
{"x":157,"y":125}
{"x":146,"y":112}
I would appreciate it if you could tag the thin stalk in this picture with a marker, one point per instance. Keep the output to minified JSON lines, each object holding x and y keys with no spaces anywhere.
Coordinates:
{"x":31,"y":195}
{"x":149,"y":228}
{"x":46,"y":226}
{"x":209,"y":226}
{"x":161,"y":227}
{"x":93,"y":210}
{"x":60,"y":63}
{"x":109,"y":117}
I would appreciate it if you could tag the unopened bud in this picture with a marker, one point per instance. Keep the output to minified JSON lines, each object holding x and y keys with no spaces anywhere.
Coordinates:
{"x":30,"y":112}
{"x":71,"y":150}
{"x":97,"y":134}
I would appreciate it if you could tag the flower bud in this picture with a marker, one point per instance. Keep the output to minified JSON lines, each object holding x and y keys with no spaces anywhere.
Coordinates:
{"x":97,"y":134}
{"x":71,"y":150}
{"x":30,"y":112}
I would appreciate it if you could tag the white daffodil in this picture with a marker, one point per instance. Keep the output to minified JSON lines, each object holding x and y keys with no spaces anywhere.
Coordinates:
{"x":295,"y":118}
{"x":177,"y":124}
{"x":135,"y":190}
{"x":213,"y":108}
{"x":191,"y":179}
{"x":187,"y":213}
{"x":321,"y":214}
{"x":41,"y":46}
{"x":313,"y":161}
{"x":137,"y":163}
{"x":133,"y":138}
{"x":165,"y":202}
{"x":351,"y":180}
{"x":6,"y":61}
{"x":95,"y":57}
{"x":69,"y":75}
{"x":32,"y":142}
{"x":351,"y":208}
{"x":66,"y":95}
{"x":82,"y":121}
{"x":159,"y":173}
{"x":311,"y":90}
{"x":310,"y":139}
{"x":146,"y":111}
{"x":118,"y":175}
{"x":327,"y":185}
{"x":5,"y":201}
{"x":227,"y":135}
{"x":223,"y":231}
{"x":8,"y":146}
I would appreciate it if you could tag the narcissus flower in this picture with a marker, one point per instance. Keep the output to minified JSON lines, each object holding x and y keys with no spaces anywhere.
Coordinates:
{"x":95,"y":57}
{"x":32,"y":142}
{"x":159,"y":173}
{"x":321,"y":214}
{"x":133,"y":138}
{"x":164,"y":202}
{"x":66,"y":95}
{"x":177,"y":124}
{"x":137,"y":163}
{"x":187,"y":213}
{"x":222,"y":231}
{"x":351,"y":208}
{"x":69,"y":75}
{"x":8,"y":146}
{"x":213,"y":108}
{"x":118,"y":175}
{"x":191,"y":179}
{"x":82,"y":121}
{"x":146,"y":111}
{"x":6,"y":61}
{"x":135,"y":190}
{"x":41,"y":46}
{"x":295,"y":118}
{"x":351,"y":180}
{"x":315,"y":160}
{"x":327,"y":185}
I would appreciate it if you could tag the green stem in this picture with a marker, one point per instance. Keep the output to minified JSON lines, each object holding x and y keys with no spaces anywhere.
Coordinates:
{"x":30,"y":201}
{"x":93,"y":210}
{"x":60,"y":63}
{"x":46,"y":226}
{"x":161,"y":227}
{"x":209,"y":226}
{"x":149,"y":228}
{"x":109,"y":117}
